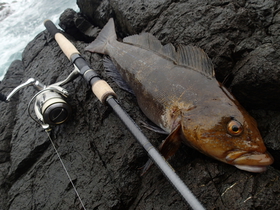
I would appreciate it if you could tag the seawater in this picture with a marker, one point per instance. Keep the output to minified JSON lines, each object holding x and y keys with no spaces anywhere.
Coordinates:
{"x":21,"y":21}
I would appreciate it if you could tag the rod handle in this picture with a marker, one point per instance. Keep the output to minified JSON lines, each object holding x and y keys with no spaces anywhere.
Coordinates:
{"x":102,"y":90}
{"x":66,"y":46}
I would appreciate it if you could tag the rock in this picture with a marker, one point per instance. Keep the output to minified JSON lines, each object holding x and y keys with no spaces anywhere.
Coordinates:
{"x":145,"y":12}
{"x":11,"y":80}
{"x":258,"y":73}
{"x":102,"y":157}
{"x":7,"y":124}
{"x":77,"y":26}
{"x":98,"y":12}
{"x":260,"y":67}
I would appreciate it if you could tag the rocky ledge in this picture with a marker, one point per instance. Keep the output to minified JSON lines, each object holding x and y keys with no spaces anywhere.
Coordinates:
{"x":102,"y":157}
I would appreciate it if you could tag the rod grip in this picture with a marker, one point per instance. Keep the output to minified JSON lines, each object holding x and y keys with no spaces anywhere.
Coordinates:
{"x":102,"y":90}
{"x":66,"y":46}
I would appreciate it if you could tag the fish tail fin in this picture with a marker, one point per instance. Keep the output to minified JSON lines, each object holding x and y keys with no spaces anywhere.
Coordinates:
{"x":106,"y":35}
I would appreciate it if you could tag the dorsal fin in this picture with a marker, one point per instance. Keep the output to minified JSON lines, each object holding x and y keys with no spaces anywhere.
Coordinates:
{"x":144,"y":40}
{"x":188,"y":56}
{"x":196,"y":58}
{"x":149,"y":42}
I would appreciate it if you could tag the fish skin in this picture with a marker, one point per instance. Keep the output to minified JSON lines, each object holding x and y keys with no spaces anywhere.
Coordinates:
{"x":186,"y":101}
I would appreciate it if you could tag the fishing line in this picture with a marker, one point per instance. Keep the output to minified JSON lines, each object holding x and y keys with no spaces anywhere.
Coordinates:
{"x":68,"y":175}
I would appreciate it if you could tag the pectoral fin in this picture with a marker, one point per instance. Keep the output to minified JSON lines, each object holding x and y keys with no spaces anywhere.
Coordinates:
{"x":113,"y":72}
{"x":171,"y":144}
{"x":153,"y":127}
{"x":168,"y":147}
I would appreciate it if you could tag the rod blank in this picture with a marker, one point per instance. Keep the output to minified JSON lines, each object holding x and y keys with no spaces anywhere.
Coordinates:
{"x":155,"y":156}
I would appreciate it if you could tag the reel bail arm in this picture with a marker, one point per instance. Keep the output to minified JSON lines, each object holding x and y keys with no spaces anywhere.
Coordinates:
{"x":31,"y":81}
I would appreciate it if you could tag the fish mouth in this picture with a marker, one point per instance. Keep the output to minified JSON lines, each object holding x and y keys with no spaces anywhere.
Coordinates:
{"x":250,"y":161}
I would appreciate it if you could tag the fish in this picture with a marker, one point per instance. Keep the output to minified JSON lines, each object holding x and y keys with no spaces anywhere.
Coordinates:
{"x":177,"y":90}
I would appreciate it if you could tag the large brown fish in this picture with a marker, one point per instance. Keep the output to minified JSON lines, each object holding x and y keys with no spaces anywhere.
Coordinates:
{"x":178,"y":91}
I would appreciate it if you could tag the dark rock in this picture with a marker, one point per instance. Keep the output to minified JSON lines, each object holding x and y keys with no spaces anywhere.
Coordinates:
{"x":98,"y":11}
{"x":77,"y":26}
{"x":8,"y":110}
{"x":134,"y":16}
{"x":260,"y":67}
{"x":102,"y":157}
{"x":256,"y":80}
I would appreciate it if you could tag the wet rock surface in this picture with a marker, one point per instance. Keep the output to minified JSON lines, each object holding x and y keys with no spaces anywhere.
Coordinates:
{"x":102,"y":157}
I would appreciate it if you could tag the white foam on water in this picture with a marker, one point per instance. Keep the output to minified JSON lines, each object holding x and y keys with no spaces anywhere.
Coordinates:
{"x":23,"y":22}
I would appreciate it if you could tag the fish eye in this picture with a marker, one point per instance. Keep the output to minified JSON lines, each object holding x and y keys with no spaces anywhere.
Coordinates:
{"x":234,"y":128}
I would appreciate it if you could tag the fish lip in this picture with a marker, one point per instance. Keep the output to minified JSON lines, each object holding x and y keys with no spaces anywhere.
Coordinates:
{"x":255,"y":162}
{"x":243,"y":159}
{"x":254,"y":169}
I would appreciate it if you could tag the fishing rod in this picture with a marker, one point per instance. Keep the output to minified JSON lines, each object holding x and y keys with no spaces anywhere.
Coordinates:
{"x":107,"y":96}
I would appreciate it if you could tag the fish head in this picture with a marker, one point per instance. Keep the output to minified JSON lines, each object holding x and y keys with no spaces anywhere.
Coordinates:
{"x":231,"y":137}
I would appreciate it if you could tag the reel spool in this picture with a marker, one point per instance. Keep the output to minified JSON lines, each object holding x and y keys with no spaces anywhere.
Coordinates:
{"x":50,"y":106}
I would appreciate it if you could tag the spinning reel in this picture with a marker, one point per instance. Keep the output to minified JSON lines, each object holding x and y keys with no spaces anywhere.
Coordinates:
{"x":50,"y":104}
